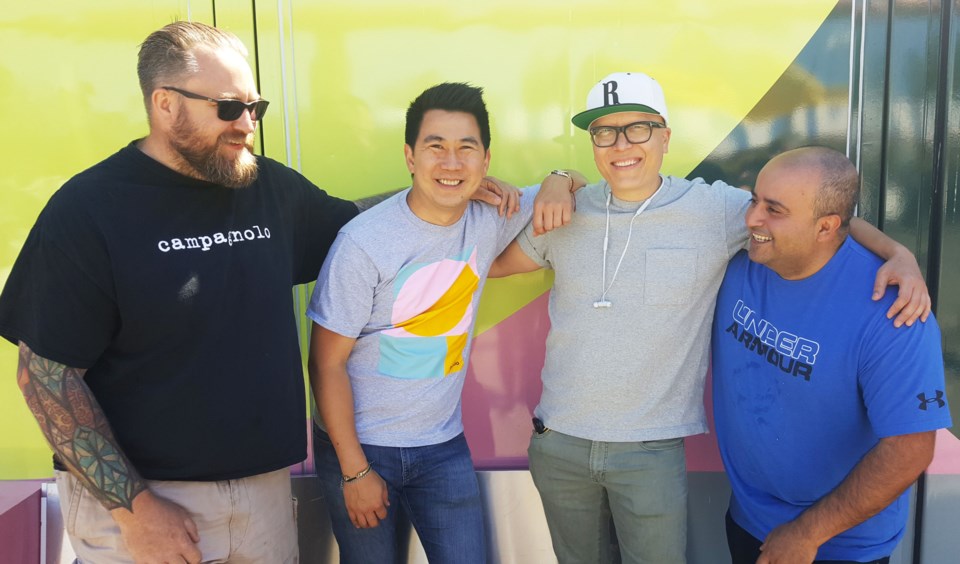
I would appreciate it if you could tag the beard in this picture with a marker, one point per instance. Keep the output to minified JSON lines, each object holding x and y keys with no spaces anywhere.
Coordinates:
{"x":208,"y":162}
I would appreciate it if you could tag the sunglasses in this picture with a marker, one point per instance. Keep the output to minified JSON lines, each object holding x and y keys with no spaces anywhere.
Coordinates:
{"x":228,"y":110}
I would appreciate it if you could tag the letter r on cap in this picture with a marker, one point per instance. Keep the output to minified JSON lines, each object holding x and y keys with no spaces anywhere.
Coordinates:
{"x":610,"y":97}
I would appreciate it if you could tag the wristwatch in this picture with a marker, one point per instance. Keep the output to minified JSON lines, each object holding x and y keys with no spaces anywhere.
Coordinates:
{"x":564,"y":174}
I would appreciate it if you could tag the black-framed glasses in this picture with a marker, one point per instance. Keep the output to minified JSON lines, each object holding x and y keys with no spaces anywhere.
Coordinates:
{"x":227,"y":110}
{"x":636,"y":133}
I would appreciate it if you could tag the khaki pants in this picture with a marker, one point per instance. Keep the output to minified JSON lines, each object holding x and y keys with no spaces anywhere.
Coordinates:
{"x":240,"y":521}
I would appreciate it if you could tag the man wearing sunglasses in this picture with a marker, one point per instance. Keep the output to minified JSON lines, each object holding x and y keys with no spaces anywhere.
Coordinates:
{"x":158,"y":343}
{"x":636,"y":279}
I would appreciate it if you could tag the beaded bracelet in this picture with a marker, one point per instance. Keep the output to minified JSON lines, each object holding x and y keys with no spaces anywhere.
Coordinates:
{"x":361,"y":474}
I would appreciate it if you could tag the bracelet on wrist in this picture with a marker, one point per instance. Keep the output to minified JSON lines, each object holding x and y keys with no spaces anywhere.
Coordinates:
{"x":361,"y":474}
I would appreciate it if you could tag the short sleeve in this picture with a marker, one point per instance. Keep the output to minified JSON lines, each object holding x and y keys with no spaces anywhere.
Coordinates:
{"x":59,"y":298}
{"x":320,"y":217}
{"x":342,"y":300}
{"x":735,"y":204}
{"x":902,"y":378}
{"x":514,"y":225}
{"x":535,"y":247}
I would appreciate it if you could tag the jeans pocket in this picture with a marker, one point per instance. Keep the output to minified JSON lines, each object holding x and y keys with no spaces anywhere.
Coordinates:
{"x":70,"y":490}
{"x":535,"y":436}
{"x":89,"y":519}
{"x":661,"y":444}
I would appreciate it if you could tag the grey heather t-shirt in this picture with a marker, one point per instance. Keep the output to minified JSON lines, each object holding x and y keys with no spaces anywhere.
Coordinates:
{"x":635,"y":371}
{"x":408,"y":291}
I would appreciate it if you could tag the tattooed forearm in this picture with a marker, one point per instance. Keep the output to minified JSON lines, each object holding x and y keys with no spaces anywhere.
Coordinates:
{"x":77,"y":430}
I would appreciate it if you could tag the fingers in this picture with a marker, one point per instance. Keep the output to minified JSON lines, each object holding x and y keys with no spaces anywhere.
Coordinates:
{"x":566,"y":213}
{"x":499,"y":193}
{"x":192,"y":530}
{"x":913,"y":300}
{"x":515,"y":203}
{"x":927,"y":308}
{"x":490,"y":183}
{"x":548,"y":218}
{"x":487,"y":196}
{"x":510,"y":202}
{"x":880,"y":284}
{"x":193,"y":555}
{"x":910,"y":306}
{"x":366,"y":501}
{"x":489,"y":186}
{"x":368,"y":520}
{"x":538,"y":222}
{"x":493,"y":184}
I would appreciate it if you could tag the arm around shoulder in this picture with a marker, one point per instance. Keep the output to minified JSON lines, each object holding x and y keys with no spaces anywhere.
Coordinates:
{"x":556,"y":202}
{"x":900,"y":269}
{"x":512,"y":261}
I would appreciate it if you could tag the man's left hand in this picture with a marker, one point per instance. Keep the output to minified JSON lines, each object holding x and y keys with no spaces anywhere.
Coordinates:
{"x":913,"y":299}
{"x":787,"y":545}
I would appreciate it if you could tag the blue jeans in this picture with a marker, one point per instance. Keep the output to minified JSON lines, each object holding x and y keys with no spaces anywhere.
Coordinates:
{"x":641,"y":485}
{"x":435,"y":484}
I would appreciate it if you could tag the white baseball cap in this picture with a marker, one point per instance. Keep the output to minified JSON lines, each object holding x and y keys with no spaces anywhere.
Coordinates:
{"x":622,"y":92}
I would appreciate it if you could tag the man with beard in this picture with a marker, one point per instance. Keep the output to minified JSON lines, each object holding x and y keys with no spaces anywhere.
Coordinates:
{"x":158,"y":344}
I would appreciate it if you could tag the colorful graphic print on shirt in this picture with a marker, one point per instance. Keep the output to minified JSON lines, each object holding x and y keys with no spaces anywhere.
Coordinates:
{"x":432,"y":316}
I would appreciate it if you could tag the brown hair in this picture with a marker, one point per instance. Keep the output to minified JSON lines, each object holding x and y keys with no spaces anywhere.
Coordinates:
{"x":167,"y":54}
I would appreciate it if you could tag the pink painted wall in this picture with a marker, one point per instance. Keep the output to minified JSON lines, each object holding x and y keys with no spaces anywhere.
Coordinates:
{"x":19,"y":522}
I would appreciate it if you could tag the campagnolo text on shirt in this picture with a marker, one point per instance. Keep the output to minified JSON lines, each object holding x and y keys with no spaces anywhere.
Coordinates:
{"x":207,"y":242}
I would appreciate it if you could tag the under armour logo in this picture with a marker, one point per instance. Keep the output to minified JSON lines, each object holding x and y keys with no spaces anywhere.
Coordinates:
{"x":610,"y":97}
{"x":938,"y":399}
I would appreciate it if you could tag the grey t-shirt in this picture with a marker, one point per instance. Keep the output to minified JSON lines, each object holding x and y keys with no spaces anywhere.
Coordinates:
{"x":408,"y":291}
{"x":635,"y":371}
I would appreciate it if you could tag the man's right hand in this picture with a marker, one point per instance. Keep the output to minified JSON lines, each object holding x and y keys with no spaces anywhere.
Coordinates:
{"x":158,"y":531}
{"x":367,"y":500}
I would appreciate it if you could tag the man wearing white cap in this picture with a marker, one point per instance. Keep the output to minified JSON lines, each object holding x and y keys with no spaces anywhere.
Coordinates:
{"x":630,"y":313}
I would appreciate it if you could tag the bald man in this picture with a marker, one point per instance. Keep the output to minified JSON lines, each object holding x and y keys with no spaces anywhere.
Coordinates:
{"x":825,"y":411}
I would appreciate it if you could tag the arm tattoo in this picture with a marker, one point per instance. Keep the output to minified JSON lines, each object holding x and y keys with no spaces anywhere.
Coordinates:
{"x":75,"y":426}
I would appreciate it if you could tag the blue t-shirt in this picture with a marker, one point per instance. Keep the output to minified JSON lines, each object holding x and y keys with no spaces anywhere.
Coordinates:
{"x":408,"y":291}
{"x":808,"y":376}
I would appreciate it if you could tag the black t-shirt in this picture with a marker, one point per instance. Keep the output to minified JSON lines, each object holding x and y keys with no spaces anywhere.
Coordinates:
{"x":175,"y":294}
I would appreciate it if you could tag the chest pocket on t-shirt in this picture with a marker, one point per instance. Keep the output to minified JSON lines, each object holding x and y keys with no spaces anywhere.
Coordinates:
{"x":670,"y":276}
